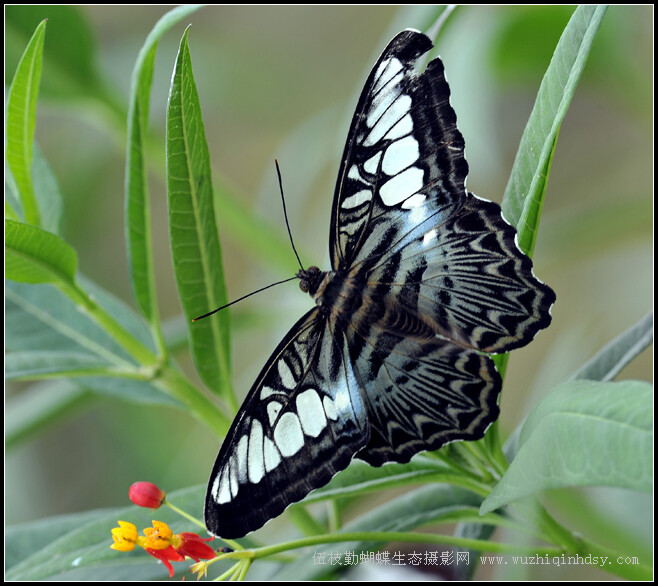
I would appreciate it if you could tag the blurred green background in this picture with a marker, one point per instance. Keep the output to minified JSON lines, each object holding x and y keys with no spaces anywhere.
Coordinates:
{"x":282,"y":82}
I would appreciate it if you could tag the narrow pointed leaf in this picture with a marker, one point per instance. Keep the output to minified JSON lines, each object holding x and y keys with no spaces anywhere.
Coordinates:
{"x":33,"y":365}
{"x":47,"y":193}
{"x":193,"y":231}
{"x":615,"y":355}
{"x":360,"y":478}
{"x":20,"y":122}
{"x":70,"y":60}
{"x":33,"y":255}
{"x":138,"y":216}
{"x":523,"y":198}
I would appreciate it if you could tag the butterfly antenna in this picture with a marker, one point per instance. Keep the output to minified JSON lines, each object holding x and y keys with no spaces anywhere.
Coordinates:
{"x":241,"y":298}
{"x":285,"y":213}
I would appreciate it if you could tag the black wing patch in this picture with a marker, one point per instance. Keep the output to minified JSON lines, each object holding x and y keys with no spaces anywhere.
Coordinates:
{"x":300,"y":424}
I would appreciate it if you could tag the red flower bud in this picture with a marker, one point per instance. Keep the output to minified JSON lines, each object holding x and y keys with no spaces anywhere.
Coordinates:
{"x":146,"y":494}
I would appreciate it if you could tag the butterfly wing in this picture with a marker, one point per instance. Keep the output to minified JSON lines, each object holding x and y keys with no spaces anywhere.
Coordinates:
{"x":403,"y":163}
{"x":421,"y":392}
{"x":468,"y":279}
{"x":444,"y":277}
{"x":300,"y":424}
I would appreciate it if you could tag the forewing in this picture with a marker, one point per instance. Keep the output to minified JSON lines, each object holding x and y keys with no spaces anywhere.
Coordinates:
{"x":301,"y":423}
{"x":421,"y":393}
{"x":468,"y":280}
{"x":403,"y":164}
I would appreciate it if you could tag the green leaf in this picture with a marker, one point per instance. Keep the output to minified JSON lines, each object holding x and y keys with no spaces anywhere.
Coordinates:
{"x":42,"y":318}
{"x":36,"y":407}
{"x":524,"y":195}
{"x":138,"y":215}
{"x":583,"y":433}
{"x":193,"y":231}
{"x":615,"y":355}
{"x":360,"y":478}
{"x":77,"y":547}
{"x":429,"y":504}
{"x":70,"y":57}
{"x":47,"y":193}
{"x":20,"y":122}
{"x":46,"y":190}
{"x":32,"y":365}
{"x":33,"y":255}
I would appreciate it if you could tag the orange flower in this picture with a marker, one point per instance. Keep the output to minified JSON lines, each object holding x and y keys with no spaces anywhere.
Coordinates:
{"x":160,"y":542}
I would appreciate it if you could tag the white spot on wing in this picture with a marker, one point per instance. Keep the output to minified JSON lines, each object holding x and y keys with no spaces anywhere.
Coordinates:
{"x":241,"y":456}
{"x":310,"y":412}
{"x":330,"y":408}
{"x":386,"y":71}
{"x":255,"y":462}
{"x":429,"y":237}
{"x":399,"y":155}
{"x":221,"y":489}
{"x":266,"y":392}
{"x":417,"y":199}
{"x":287,"y":378}
{"x":353,"y":201}
{"x":233,"y":476}
{"x":372,"y":164}
{"x":273,"y":410}
{"x":288,"y":434}
{"x":271,"y":455}
{"x":402,"y":128}
{"x":390,"y":116}
{"x":353,"y":173}
{"x":402,"y":186}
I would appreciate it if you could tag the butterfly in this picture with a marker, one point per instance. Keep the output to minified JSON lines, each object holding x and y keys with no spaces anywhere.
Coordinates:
{"x":426,"y":280}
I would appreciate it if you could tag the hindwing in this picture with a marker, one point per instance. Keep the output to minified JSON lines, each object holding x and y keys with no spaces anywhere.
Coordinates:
{"x":421,"y":393}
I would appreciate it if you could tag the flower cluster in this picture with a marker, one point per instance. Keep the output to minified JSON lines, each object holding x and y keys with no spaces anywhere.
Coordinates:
{"x":159,"y":541}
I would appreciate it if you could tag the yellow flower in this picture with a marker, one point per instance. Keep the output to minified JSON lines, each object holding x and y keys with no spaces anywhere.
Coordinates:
{"x":159,"y":536}
{"x":125,"y":536}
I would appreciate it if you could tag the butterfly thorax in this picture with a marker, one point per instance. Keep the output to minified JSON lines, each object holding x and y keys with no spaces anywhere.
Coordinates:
{"x":334,"y":291}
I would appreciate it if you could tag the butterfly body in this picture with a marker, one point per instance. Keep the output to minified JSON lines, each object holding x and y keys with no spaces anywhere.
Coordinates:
{"x":426,"y":279}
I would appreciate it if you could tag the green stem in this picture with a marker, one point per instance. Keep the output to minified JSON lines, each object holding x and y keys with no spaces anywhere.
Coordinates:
{"x":128,"y":372}
{"x":134,"y":347}
{"x":620,"y":565}
{"x":305,"y":522}
{"x":176,"y":385}
{"x":164,"y":377}
{"x":393,"y":536}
